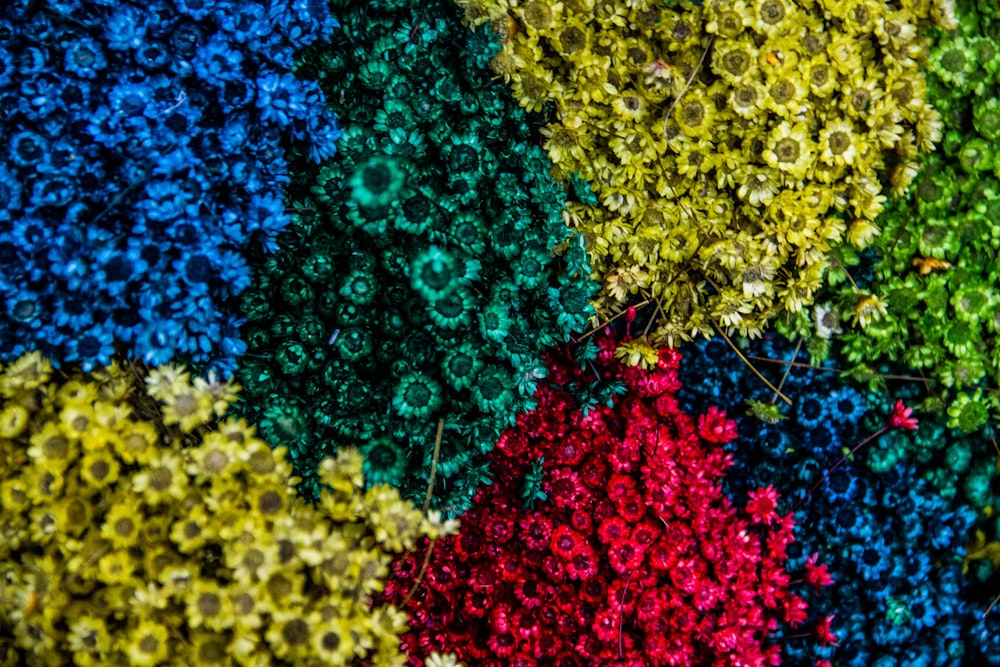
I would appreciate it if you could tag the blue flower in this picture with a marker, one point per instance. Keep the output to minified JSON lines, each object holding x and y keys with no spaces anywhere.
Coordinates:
{"x":847,"y":405}
{"x":810,"y":411}
{"x":84,"y":57}
{"x":27,"y":148}
{"x":218,"y":63}
{"x":125,"y":27}
{"x":92,"y":346}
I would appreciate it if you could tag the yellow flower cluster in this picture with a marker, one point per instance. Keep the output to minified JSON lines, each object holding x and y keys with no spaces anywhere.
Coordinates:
{"x":164,"y":540}
{"x":731,"y":145}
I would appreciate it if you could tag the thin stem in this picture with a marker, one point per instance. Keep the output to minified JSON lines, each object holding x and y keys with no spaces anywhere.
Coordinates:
{"x":788,"y":369}
{"x":911,"y":378}
{"x":836,"y":465}
{"x":842,"y":268}
{"x":621,"y":613}
{"x":777,"y":392}
{"x":680,"y":96}
{"x":427,"y":503}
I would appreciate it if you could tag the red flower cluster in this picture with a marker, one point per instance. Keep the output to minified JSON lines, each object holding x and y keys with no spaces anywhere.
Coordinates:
{"x":636,"y":557}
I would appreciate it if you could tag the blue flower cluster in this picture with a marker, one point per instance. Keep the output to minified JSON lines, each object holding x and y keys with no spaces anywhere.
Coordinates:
{"x":892,"y":540}
{"x":145,"y":147}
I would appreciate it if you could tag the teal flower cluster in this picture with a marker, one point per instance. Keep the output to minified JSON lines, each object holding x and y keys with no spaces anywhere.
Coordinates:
{"x":936,"y":273}
{"x":427,"y":266}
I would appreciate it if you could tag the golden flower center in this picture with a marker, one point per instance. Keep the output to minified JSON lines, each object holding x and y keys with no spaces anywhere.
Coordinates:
{"x":746,"y":96}
{"x":572,"y":39}
{"x":216,"y":461}
{"x":124,"y":527}
{"x":209,"y":604}
{"x":296,"y":632}
{"x":693,"y":113}
{"x":839,"y":142}
{"x":270,"y":502}
{"x":186,"y":405}
{"x":772,"y":11}
{"x":730,"y":23}
{"x":736,"y":62}
{"x":99,"y":470}
{"x":160,"y":479}
{"x":782,"y":91}
{"x":787,"y":150}
{"x":537,"y":15}
{"x":149,"y":644}
{"x":56,"y":447}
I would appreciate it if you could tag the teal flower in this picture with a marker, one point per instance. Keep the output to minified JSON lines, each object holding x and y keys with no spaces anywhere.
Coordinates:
{"x":493,"y":392}
{"x":452,"y":311}
{"x":359,"y":288}
{"x":416,"y":396}
{"x":467,"y":231}
{"x":433,"y":273}
{"x":353,"y":344}
{"x":384,"y":461}
{"x":495,"y":322}
{"x":461,"y":366}
{"x":530,"y":268}
{"x":377,"y":182}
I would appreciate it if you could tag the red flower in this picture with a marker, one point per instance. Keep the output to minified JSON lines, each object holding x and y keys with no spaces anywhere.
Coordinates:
{"x":762,"y":505}
{"x":566,"y":542}
{"x":823,"y":632}
{"x":637,"y":557}
{"x":816,"y":576}
{"x":714,"y":427}
{"x":901,"y":417}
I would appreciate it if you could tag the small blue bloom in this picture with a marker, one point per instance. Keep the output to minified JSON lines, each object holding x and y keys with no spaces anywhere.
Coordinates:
{"x":847,"y":405}
{"x":85,"y":58}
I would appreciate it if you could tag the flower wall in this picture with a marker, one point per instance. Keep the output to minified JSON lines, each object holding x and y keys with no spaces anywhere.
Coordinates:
{"x":576,"y":332}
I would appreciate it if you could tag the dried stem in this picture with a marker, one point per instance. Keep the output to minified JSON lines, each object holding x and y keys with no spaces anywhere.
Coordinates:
{"x":777,"y":392}
{"x":427,"y":503}
{"x":788,"y":369}
{"x":601,"y":326}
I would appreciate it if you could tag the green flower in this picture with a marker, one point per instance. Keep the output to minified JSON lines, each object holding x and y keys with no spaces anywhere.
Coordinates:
{"x":385,"y":462}
{"x":986,"y":118}
{"x":416,"y":396}
{"x":462,"y":366}
{"x":961,"y":338}
{"x":968,"y":413}
{"x":953,"y":61}
{"x":433,"y":273}
{"x":962,"y":372}
{"x":329,"y":184}
{"x":530,"y":268}
{"x":976,"y":155}
{"x":377,"y":182}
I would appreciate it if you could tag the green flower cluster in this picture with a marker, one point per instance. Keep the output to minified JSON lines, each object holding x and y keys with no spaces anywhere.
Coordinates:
{"x":131,"y":537}
{"x":732,"y":143}
{"x":427,"y":266}
{"x":937,"y":268}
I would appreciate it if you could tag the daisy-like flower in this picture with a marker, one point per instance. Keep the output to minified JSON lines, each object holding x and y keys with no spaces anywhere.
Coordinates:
{"x":727,"y":19}
{"x":815,"y":575}
{"x":189,"y":408}
{"x":762,"y":505}
{"x":147,"y":644}
{"x":790,"y":150}
{"x":838,"y":142}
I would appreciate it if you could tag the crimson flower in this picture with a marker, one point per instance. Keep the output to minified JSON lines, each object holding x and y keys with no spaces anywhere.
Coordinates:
{"x":817,"y":576}
{"x":823,"y":633}
{"x":762,"y":505}
{"x":901,"y":417}
{"x":636,"y":558}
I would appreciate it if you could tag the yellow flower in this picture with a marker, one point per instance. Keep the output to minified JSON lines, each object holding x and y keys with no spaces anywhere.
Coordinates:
{"x":820,"y":76}
{"x":845,"y":54}
{"x":284,"y":588}
{"x":571,"y":39}
{"x":269,"y":500}
{"x":332,"y":641}
{"x":861,"y":232}
{"x":77,"y":419}
{"x":539,"y":16}
{"x":838,"y":142}
{"x":630,"y":107}
{"x":122,"y":524}
{"x":868,"y":308}
{"x":396,"y":524}
{"x":118,"y":567}
{"x":88,"y":634}
{"x":867,"y":202}
{"x":728,"y":18}
{"x":44,"y":486}
{"x":29,"y":372}
{"x":13,"y":421}
{"x":215,"y":460}
{"x":860,"y":95}
{"x":748,"y":99}
{"x":162,"y":480}
{"x":188,"y":407}
{"x":252,"y":558}
{"x":735,"y":61}
{"x":694,"y":114}
{"x":146,"y":644}
{"x":534,"y":87}
{"x":208,"y":605}
{"x":637,"y":352}
{"x":289,"y":635}
{"x":14,"y":496}
{"x":790,"y":150}
{"x":138,"y":443}
{"x":77,"y":392}
{"x":190,"y":531}
{"x":773,"y":17}
{"x":223,"y":394}
{"x":167,"y":381}
{"x":785,"y":93}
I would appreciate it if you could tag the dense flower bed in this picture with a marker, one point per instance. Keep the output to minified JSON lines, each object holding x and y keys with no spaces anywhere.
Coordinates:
{"x":427,"y":267}
{"x":144,"y":148}
{"x":606,"y":539}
